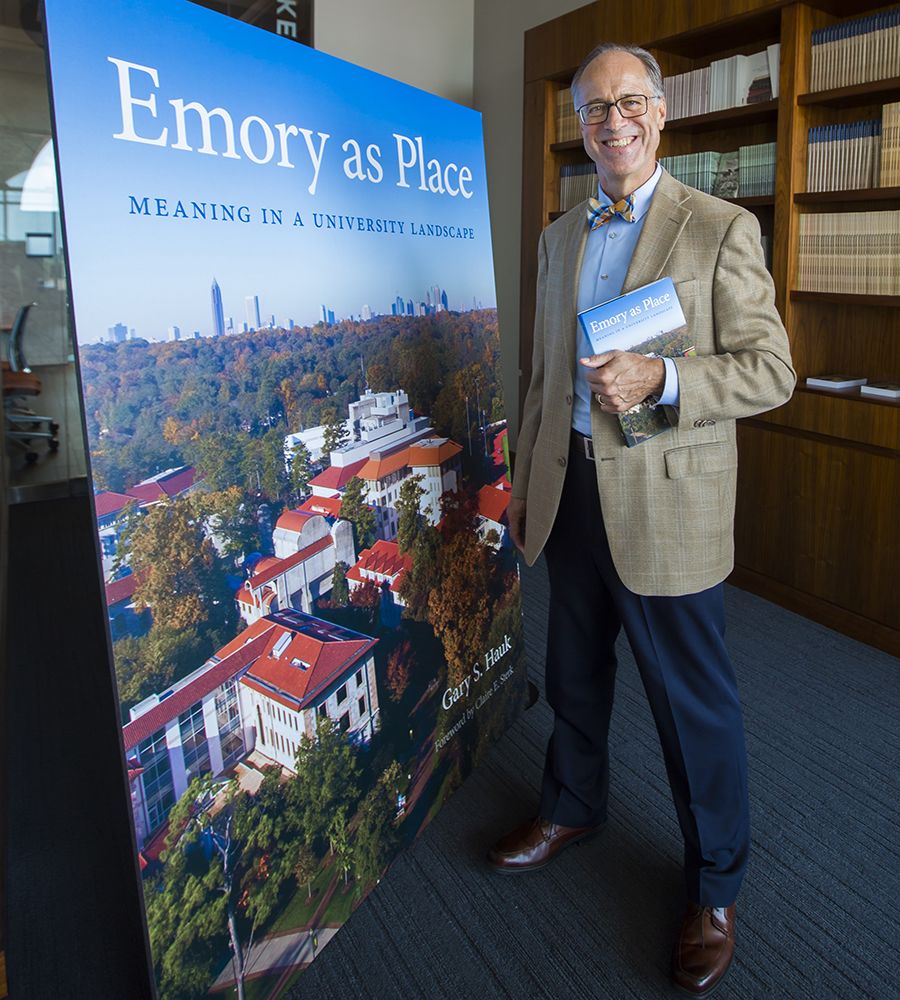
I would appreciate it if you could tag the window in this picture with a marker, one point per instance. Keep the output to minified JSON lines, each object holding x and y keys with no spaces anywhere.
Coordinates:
{"x":341,"y":693}
{"x":232,"y":747}
{"x":362,"y":706}
{"x":159,"y":790}
{"x":359,"y":678}
{"x":227,"y":712}
{"x":323,"y":710}
{"x":193,"y":741}
{"x":345,"y":722}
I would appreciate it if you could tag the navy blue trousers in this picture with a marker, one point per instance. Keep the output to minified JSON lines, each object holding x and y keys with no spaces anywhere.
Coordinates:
{"x":679,"y":646}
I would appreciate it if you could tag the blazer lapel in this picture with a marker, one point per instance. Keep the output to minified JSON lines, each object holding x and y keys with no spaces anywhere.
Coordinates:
{"x":665,"y":220}
{"x":575,"y":242}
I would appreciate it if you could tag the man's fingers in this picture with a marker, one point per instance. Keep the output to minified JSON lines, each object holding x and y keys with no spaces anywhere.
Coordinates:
{"x":598,"y":360}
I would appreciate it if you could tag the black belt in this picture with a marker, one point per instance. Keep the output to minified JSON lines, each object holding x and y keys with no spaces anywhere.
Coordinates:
{"x":581,"y":445}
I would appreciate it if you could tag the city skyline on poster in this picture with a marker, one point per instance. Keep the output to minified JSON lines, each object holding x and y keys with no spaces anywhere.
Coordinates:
{"x":282,"y":285}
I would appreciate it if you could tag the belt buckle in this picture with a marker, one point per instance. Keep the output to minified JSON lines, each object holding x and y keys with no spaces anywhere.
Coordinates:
{"x":589,"y":449}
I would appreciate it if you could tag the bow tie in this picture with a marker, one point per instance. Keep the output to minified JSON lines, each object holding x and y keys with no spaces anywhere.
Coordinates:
{"x":599,"y":215}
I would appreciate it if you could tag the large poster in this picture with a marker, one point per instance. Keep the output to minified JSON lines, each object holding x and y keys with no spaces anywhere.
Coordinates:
{"x":283,"y":295}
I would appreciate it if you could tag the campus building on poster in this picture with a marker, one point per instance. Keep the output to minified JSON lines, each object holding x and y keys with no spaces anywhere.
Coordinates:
{"x":387,"y":443}
{"x":259,"y":694}
{"x":110,"y":507}
{"x":307,"y":547}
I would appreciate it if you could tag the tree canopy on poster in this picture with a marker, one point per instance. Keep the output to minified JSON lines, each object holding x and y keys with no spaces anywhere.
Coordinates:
{"x":224,"y":404}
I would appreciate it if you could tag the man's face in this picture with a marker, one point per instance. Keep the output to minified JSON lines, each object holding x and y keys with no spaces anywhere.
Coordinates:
{"x":624,"y":149}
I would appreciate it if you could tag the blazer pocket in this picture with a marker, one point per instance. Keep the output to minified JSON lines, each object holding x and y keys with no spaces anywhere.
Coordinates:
{"x":700,"y":459}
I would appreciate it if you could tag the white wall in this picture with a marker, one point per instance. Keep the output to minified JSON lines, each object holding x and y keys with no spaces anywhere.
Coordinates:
{"x":426,"y":43}
{"x":500,"y":27}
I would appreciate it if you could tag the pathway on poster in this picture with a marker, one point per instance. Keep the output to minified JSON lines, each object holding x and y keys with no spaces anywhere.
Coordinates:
{"x":281,"y":951}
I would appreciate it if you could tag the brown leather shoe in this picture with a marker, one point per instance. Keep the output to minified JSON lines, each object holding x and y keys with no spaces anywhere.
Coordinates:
{"x":704,"y":949}
{"x":533,"y":845}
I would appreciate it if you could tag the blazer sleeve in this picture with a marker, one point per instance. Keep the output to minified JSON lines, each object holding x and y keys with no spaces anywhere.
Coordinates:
{"x":751,"y":370}
{"x":532,"y":410}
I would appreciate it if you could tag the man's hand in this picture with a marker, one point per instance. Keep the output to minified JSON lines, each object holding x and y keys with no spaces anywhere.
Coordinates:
{"x":620,"y":379}
{"x":515,"y":515}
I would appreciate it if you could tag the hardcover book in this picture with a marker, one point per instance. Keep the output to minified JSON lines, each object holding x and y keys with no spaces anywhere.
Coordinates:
{"x":648,"y":321}
{"x":887,"y":390}
{"x":835,"y":381}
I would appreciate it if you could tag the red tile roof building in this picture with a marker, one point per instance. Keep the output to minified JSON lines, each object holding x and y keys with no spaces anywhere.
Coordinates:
{"x":307,"y":547}
{"x":261,"y":692}
{"x":492,"y":507}
{"x":382,"y":563}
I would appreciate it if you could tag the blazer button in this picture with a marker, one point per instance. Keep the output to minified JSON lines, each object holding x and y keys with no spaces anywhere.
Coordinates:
{"x":568,"y":399}
{"x":561,"y":461}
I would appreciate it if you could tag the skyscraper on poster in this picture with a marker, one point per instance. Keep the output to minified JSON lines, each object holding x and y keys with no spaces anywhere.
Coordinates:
{"x":311,"y":589}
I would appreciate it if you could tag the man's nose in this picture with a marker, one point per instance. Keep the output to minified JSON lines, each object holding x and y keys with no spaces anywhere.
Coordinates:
{"x":618,"y":120}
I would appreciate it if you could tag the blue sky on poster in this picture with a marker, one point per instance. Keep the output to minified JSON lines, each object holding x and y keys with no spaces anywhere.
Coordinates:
{"x":151,"y":271}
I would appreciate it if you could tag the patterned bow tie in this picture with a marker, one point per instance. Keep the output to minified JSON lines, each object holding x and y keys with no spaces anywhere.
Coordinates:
{"x":599,"y":214}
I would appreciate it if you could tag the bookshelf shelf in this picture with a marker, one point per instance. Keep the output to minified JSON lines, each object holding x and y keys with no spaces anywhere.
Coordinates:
{"x":877,"y":92}
{"x":852,"y":394}
{"x":846,"y":298}
{"x":759,"y":201}
{"x":758,"y":28}
{"x":817,"y":476}
{"x":749,"y":114}
{"x":865,"y":195}
{"x":567,"y":146}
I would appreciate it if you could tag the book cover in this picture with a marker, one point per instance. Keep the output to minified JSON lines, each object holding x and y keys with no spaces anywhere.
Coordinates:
{"x":648,"y":321}
{"x":887,"y":390}
{"x":838,"y":381}
{"x":727,"y":181}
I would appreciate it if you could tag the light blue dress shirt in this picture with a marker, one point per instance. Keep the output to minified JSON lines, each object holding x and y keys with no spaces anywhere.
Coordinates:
{"x":607,"y":255}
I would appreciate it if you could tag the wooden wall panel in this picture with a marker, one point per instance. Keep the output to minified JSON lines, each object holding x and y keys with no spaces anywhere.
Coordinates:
{"x":823,"y":520}
{"x":558,"y":46}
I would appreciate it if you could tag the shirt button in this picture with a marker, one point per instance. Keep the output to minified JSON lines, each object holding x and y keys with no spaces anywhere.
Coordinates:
{"x":612,"y":236}
{"x":604,"y":277}
{"x":561,"y":461}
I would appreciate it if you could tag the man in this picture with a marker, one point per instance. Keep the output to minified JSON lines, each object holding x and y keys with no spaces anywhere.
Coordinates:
{"x":642,"y":537}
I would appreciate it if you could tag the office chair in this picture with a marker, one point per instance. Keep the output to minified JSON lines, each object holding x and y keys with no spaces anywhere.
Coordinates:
{"x":24,"y":426}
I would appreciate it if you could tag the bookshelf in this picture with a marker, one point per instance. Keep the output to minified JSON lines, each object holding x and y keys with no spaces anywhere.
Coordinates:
{"x":819,"y":478}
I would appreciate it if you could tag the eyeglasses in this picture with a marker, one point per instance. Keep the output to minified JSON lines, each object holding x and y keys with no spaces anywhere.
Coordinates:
{"x":629,"y":106}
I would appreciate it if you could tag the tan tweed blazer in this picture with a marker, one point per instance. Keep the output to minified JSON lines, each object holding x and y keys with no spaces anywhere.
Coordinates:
{"x":668,"y":504}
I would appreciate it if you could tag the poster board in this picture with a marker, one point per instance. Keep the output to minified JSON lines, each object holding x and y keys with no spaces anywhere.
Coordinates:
{"x":282,"y":291}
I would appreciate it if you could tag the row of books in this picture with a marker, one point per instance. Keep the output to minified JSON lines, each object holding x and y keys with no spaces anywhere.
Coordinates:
{"x":725,"y":83}
{"x":839,"y":380}
{"x":844,"y":157}
{"x":858,"y":51}
{"x":850,"y":252}
{"x":577,"y":181}
{"x":747,"y":172}
{"x":568,"y":127}
{"x":889,"y":166}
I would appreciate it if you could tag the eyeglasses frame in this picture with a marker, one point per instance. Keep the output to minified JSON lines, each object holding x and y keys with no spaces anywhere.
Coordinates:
{"x":615,"y":104}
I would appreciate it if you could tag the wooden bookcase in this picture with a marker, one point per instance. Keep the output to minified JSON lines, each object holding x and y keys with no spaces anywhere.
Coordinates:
{"x":818,"y":517}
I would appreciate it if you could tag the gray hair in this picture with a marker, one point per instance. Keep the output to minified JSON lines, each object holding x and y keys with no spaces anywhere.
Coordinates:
{"x":654,"y":73}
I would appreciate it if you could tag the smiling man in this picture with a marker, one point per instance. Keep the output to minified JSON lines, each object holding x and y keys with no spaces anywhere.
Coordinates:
{"x":641,"y":537}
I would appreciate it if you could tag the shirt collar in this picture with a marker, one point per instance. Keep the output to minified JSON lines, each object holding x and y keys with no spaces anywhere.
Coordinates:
{"x":642,"y":197}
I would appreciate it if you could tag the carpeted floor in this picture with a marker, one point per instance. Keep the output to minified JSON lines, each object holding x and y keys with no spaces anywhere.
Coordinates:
{"x":817,"y":917}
